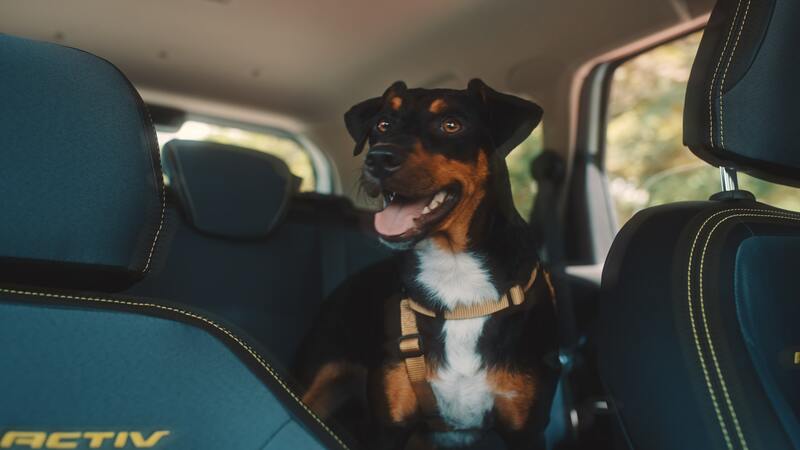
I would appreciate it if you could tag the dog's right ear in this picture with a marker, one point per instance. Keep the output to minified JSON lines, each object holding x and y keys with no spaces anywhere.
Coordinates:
{"x":359,"y":119}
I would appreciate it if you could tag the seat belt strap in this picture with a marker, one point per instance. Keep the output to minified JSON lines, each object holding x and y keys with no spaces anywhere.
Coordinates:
{"x":548,"y":169}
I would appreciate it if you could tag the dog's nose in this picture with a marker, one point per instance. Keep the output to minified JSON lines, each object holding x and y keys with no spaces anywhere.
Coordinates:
{"x":382,"y":161}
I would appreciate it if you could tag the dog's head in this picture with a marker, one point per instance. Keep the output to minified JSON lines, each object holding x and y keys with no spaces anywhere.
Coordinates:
{"x":429,"y":155}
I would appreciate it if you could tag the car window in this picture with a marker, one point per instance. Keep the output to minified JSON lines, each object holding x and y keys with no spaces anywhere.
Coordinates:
{"x":645,"y":160}
{"x":282,"y":146}
{"x":523,"y":186}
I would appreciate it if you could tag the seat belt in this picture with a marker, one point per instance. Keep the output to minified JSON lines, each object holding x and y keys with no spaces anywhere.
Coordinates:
{"x":548,"y":169}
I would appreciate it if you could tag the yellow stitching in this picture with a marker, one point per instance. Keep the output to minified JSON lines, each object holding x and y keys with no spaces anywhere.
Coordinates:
{"x":705,"y":322}
{"x":724,"y":74}
{"x":158,"y":230}
{"x":714,"y":77}
{"x":696,"y":337}
{"x":210,"y":322}
{"x":695,"y":334}
{"x":163,"y":200}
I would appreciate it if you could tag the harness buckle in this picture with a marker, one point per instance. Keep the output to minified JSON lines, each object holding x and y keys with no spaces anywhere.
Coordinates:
{"x":410,"y":345}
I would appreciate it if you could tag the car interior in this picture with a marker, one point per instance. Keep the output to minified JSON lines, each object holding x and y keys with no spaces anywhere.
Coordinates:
{"x":179,"y":197}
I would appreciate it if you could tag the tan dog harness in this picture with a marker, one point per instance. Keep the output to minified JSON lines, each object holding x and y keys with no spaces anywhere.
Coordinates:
{"x":410,"y":342}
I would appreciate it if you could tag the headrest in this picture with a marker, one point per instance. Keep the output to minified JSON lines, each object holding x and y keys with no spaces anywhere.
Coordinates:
{"x":80,"y":179}
{"x":742,"y":100}
{"x":228,"y":191}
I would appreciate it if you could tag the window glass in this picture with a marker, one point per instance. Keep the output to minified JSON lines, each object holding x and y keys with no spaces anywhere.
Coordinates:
{"x":646,"y":162}
{"x":284,"y":147}
{"x":523,"y":186}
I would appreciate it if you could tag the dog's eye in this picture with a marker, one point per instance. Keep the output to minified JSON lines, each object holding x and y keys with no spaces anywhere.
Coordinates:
{"x":383,"y":125}
{"x":451,"y":125}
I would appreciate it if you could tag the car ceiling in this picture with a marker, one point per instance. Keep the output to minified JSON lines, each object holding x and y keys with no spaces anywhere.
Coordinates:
{"x":308,"y":61}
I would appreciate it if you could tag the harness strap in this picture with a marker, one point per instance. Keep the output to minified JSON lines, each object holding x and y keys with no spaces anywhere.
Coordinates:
{"x":514,"y":297}
{"x":412,"y":348}
{"x":410,"y":344}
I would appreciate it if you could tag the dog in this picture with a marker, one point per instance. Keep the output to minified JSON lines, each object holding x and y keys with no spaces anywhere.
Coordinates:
{"x":456,"y":334}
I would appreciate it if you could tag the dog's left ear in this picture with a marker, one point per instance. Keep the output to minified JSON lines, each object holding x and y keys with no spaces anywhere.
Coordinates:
{"x":358,"y":118}
{"x":511,"y":119}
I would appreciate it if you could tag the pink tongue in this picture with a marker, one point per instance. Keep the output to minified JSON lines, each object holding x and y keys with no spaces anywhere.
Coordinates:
{"x":398,"y":218}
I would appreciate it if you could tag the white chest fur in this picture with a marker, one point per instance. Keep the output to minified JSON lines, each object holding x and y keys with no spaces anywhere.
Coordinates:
{"x":461,"y":389}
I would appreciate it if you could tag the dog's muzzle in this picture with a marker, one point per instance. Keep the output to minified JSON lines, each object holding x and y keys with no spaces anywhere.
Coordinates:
{"x":383,"y":160}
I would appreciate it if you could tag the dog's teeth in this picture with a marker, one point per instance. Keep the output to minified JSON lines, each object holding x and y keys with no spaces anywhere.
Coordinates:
{"x":437,"y":199}
{"x":425,"y":210}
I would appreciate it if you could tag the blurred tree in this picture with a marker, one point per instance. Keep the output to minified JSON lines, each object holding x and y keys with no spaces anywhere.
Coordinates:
{"x":523,"y":186}
{"x":646,"y":161}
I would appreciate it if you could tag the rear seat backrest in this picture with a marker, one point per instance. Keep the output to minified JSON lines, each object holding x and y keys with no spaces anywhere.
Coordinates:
{"x":81,"y":195}
{"x":55,"y":220}
{"x":246,"y":247}
{"x":228,"y":191}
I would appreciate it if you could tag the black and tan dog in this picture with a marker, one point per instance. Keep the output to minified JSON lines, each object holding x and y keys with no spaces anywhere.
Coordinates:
{"x":450,"y":338}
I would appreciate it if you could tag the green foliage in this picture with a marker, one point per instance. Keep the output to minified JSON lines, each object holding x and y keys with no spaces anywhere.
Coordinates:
{"x":523,"y":186}
{"x":646,"y":161}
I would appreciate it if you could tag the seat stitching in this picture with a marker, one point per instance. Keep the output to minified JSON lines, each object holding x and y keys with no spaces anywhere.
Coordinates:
{"x":275,"y":433}
{"x":725,"y":73}
{"x":261,"y":361}
{"x":745,"y":213}
{"x":693,"y":324}
{"x":158,"y":230}
{"x":695,"y":336}
{"x":725,"y":392}
{"x":158,"y":173}
{"x":714,"y":77}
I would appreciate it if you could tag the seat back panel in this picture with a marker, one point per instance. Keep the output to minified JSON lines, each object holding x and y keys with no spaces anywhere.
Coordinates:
{"x":767,"y":306}
{"x":140,"y":373}
{"x":673,"y":352}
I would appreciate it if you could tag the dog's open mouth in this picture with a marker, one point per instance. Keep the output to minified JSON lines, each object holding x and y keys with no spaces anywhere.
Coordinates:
{"x":404,"y":218}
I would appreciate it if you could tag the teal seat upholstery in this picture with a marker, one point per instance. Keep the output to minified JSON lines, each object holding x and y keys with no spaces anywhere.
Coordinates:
{"x":76,"y":367}
{"x":82,"y":365}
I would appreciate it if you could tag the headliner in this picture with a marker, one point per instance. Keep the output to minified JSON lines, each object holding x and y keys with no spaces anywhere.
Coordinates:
{"x":308,"y":61}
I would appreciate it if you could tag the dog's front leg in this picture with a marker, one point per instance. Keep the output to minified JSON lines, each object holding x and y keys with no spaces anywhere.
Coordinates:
{"x":517,"y":409}
{"x":395,"y":408}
